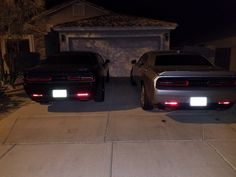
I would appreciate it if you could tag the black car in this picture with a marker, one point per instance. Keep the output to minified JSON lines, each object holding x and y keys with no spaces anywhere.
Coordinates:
{"x":68,"y":75}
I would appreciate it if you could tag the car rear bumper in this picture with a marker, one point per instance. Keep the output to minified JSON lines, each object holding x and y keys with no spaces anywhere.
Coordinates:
{"x":44,"y":92}
{"x":215,"y":97}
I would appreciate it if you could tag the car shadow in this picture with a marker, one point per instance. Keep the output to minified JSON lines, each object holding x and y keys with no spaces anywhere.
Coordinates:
{"x":119,"y":95}
{"x":204,"y":116}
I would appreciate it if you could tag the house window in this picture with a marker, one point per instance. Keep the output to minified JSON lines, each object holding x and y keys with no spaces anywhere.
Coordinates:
{"x":21,"y":45}
{"x":78,"y":10}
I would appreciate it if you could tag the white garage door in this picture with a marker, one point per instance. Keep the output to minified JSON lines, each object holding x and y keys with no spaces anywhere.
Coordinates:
{"x":119,"y":50}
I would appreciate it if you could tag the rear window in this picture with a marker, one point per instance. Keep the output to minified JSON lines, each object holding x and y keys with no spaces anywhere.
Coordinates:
{"x":73,"y":59}
{"x":181,"y":60}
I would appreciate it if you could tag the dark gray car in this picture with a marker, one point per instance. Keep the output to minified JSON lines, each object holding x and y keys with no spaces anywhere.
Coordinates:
{"x":182,"y":80}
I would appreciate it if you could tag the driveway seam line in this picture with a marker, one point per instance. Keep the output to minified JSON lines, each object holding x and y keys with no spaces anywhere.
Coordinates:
{"x":203,"y":133}
{"x":8,"y":135}
{"x":107,"y":127}
{"x":101,"y":142}
{"x":9,"y":150}
{"x":44,"y":116}
{"x":222,"y":156}
{"x":111,"y":162}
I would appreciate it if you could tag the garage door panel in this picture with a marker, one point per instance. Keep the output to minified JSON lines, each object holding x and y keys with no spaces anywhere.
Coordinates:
{"x":119,"y":50}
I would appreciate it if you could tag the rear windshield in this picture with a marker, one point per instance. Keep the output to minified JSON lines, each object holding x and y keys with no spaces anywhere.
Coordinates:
{"x":181,"y":60}
{"x":75,"y":59}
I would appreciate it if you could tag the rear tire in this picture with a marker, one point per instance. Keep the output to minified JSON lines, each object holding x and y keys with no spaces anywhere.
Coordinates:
{"x":100,"y":92}
{"x":99,"y":96}
{"x":108,"y":77}
{"x":145,"y":102}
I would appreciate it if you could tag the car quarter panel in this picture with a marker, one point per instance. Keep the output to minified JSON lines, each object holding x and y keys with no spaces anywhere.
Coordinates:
{"x":148,"y":79}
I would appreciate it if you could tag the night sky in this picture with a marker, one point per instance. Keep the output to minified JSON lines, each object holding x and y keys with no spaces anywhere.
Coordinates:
{"x":198,"y":20}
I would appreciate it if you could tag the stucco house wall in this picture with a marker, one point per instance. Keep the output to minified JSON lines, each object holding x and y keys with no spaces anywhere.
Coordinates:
{"x":227,"y":42}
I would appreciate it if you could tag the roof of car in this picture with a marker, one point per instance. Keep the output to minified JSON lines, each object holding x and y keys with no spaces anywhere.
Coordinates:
{"x":75,"y":52}
{"x":173,"y":52}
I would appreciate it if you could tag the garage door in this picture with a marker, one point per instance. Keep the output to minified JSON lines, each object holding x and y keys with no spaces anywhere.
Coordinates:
{"x":120,"y":51}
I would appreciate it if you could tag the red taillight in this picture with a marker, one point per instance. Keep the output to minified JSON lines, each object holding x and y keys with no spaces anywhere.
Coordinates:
{"x":172,"y":83}
{"x":224,"y":102}
{"x":171,"y":103}
{"x":38,"y":79}
{"x":81,"y":78}
{"x":37,"y":95}
{"x":83,"y":95}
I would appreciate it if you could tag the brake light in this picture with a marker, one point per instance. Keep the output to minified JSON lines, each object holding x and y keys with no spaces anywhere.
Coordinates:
{"x":223,"y":102}
{"x":171,"y":103}
{"x":37,"y":95}
{"x":81,"y":78}
{"x":38,"y":79}
{"x":172,"y":83}
{"x":83,"y":95}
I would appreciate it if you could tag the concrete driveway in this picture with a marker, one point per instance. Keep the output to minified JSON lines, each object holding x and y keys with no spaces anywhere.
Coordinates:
{"x":116,"y":139}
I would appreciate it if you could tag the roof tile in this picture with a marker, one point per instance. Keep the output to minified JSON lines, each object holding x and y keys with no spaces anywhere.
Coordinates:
{"x":116,"y":20}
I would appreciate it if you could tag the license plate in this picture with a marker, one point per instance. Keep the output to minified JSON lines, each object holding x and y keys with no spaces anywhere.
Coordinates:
{"x":59,"y":93}
{"x":198,"y":101}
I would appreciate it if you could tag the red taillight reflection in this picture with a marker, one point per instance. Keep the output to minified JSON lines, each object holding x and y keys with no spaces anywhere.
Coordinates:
{"x":223,"y":102}
{"x":37,"y":95}
{"x":172,"y":83}
{"x":171,"y":103}
{"x":38,"y":79}
{"x":83,"y":95}
{"x":81,"y":78}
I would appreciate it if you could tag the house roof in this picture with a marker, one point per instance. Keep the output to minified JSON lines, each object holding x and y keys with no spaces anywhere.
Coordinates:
{"x":64,"y":5}
{"x":116,"y":20}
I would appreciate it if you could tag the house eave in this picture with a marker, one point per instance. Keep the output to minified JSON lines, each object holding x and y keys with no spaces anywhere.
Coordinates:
{"x":75,"y":29}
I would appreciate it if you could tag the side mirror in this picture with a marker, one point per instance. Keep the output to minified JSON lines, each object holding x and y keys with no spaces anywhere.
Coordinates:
{"x":133,"y":61}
